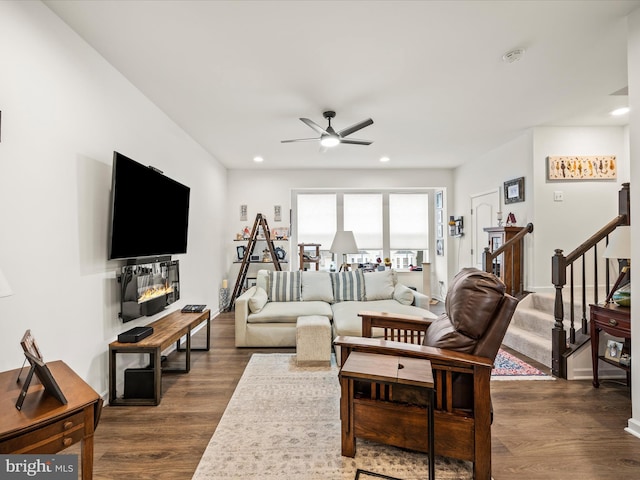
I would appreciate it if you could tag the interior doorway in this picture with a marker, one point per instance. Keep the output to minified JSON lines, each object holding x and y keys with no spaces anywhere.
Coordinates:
{"x":484,"y":210}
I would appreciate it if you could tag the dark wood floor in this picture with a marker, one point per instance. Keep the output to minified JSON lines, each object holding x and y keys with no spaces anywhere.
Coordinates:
{"x":541,"y":430}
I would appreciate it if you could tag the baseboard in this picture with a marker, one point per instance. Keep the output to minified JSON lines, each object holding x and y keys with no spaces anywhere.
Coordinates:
{"x":633,"y":427}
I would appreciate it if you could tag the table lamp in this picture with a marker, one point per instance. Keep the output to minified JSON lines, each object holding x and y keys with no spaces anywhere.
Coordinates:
{"x":5,"y":289}
{"x":619,"y":247}
{"x":344,"y":242}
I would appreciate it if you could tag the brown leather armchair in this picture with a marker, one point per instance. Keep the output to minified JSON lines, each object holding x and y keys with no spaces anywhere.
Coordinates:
{"x":462,"y":345}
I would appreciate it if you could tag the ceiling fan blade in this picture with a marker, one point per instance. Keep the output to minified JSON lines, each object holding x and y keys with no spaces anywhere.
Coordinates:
{"x":315,"y":126}
{"x":300,"y":140}
{"x":353,"y":141}
{"x":354,"y":128}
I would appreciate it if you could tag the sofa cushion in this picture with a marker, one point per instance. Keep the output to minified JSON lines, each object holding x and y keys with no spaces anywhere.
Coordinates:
{"x":379,"y":285}
{"x":288,"y":312}
{"x":347,"y":322}
{"x":284,"y":286}
{"x":317,"y":286}
{"x":403,"y":294}
{"x":348,"y":286}
{"x":258,"y":300}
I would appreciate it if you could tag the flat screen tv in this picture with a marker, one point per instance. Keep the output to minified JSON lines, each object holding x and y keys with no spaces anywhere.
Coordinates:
{"x":149,"y":212}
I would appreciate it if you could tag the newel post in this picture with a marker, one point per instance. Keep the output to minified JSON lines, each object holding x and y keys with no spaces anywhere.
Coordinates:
{"x":558,"y":335}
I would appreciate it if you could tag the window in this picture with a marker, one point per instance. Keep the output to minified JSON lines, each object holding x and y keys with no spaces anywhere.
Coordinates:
{"x":408,"y":228}
{"x":392,"y":224}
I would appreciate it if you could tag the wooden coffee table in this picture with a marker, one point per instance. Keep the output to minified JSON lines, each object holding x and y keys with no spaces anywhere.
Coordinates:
{"x":384,"y":370}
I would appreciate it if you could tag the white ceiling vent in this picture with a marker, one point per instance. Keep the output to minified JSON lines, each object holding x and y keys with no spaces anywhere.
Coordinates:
{"x":513,"y":55}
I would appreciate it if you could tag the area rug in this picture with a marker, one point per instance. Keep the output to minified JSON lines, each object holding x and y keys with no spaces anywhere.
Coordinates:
{"x":509,"y":367}
{"x":283,"y":422}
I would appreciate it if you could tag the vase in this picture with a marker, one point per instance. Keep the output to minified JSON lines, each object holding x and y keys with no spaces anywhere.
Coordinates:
{"x":622,"y":296}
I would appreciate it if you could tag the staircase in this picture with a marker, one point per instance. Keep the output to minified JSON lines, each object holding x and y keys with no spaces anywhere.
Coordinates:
{"x":531,"y":326}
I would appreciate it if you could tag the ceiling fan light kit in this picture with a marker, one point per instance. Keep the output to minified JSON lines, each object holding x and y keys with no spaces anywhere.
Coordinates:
{"x":329,"y":137}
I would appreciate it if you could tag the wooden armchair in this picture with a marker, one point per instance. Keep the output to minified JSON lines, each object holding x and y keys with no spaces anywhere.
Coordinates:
{"x":462,"y":345}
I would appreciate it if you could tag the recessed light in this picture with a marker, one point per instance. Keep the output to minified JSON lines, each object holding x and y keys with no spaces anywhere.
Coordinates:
{"x":620,"y":111}
{"x":258,"y":159}
{"x":385,"y":159}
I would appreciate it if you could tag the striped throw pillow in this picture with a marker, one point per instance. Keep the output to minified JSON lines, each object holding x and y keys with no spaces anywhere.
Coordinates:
{"x":348,"y":286}
{"x":284,"y":286}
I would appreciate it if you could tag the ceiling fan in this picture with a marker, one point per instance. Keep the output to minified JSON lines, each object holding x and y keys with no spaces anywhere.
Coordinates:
{"x":329,"y":137}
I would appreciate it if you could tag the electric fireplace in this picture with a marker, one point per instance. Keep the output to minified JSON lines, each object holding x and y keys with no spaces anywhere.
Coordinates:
{"x":147,"y":288}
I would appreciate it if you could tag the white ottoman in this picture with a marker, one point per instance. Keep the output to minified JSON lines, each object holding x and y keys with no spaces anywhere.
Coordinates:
{"x":313,"y":340}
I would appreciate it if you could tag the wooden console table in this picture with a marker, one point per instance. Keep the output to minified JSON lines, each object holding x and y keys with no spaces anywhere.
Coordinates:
{"x":170,"y":328}
{"x":358,"y":418}
{"x":616,"y":321}
{"x":44,"y":425}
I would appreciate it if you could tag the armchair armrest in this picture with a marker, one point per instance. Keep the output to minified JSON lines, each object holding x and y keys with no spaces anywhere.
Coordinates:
{"x":390,"y":347}
{"x":395,"y":326}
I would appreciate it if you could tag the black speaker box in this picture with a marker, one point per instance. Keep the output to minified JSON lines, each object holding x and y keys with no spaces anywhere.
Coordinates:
{"x":138,"y":383}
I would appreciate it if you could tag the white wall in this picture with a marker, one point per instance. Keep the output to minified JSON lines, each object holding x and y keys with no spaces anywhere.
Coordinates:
{"x":587,"y":205}
{"x":633,"y":55}
{"x":261,"y":189}
{"x":64,"y":111}
{"x":489,"y":172}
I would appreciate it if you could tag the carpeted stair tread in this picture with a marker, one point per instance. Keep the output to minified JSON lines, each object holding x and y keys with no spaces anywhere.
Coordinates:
{"x":533,"y":346}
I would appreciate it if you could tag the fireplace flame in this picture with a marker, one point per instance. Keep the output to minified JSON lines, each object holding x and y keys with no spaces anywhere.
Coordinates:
{"x":155,"y":292}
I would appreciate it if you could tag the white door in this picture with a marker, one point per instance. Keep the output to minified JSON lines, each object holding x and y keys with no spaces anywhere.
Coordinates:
{"x":484,"y":210}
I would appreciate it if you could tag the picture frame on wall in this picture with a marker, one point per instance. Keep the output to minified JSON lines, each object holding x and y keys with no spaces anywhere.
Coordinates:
{"x":438,"y":201}
{"x":243,"y":213}
{"x":440,"y":231}
{"x":440,"y":247}
{"x":514,"y":190}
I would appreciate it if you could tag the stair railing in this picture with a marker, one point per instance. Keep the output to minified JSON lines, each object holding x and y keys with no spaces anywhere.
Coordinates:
{"x":559,"y":266}
{"x":490,"y":259}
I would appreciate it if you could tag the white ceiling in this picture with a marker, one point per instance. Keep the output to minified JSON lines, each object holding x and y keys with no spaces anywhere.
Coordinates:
{"x":237,"y":75}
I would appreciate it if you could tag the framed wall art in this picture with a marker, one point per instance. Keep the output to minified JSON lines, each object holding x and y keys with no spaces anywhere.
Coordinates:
{"x":514,"y":190}
{"x":594,"y":167}
{"x":439,"y":199}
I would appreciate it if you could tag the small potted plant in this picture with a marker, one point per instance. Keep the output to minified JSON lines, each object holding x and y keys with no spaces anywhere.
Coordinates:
{"x":387,"y":262}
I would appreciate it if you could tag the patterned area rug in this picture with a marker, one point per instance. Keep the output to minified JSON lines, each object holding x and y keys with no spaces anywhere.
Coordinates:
{"x":508,"y":367}
{"x":283,"y":422}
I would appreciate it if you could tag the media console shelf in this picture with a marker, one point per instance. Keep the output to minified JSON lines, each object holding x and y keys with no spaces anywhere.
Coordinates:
{"x":170,"y":328}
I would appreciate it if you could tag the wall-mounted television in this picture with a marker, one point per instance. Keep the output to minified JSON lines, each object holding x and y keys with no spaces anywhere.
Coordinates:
{"x":149,"y":211}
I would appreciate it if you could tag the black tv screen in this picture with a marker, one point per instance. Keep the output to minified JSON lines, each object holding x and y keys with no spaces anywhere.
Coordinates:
{"x":149,"y":211}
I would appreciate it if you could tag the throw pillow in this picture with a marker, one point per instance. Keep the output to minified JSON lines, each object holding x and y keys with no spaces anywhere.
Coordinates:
{"x":316,"y":286}
{"x":379,"y":285}
{"x":284,"y":286}
{"x":348,"y":286}
{"x":403,"y":294}
{"x":258,"y":300}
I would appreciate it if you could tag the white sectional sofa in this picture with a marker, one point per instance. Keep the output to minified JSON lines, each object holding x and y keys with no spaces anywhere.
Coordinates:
{"x":266,"y":314}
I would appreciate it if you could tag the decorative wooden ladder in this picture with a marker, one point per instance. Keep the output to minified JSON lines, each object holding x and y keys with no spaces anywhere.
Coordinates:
{"x":261,"y":221}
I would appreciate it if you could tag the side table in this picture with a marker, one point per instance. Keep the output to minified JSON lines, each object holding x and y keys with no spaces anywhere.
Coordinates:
{"x":380,"y":369}
{"x":614,"y":320}
{"x":44,"y":425}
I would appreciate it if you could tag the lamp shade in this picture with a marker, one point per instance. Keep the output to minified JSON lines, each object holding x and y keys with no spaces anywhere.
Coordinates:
{"x":344,"y":242}
{"x":5,"y":289}
{"x":619,"y":243}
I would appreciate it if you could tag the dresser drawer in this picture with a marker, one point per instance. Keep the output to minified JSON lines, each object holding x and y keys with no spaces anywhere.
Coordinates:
{"x":51,"y":438}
